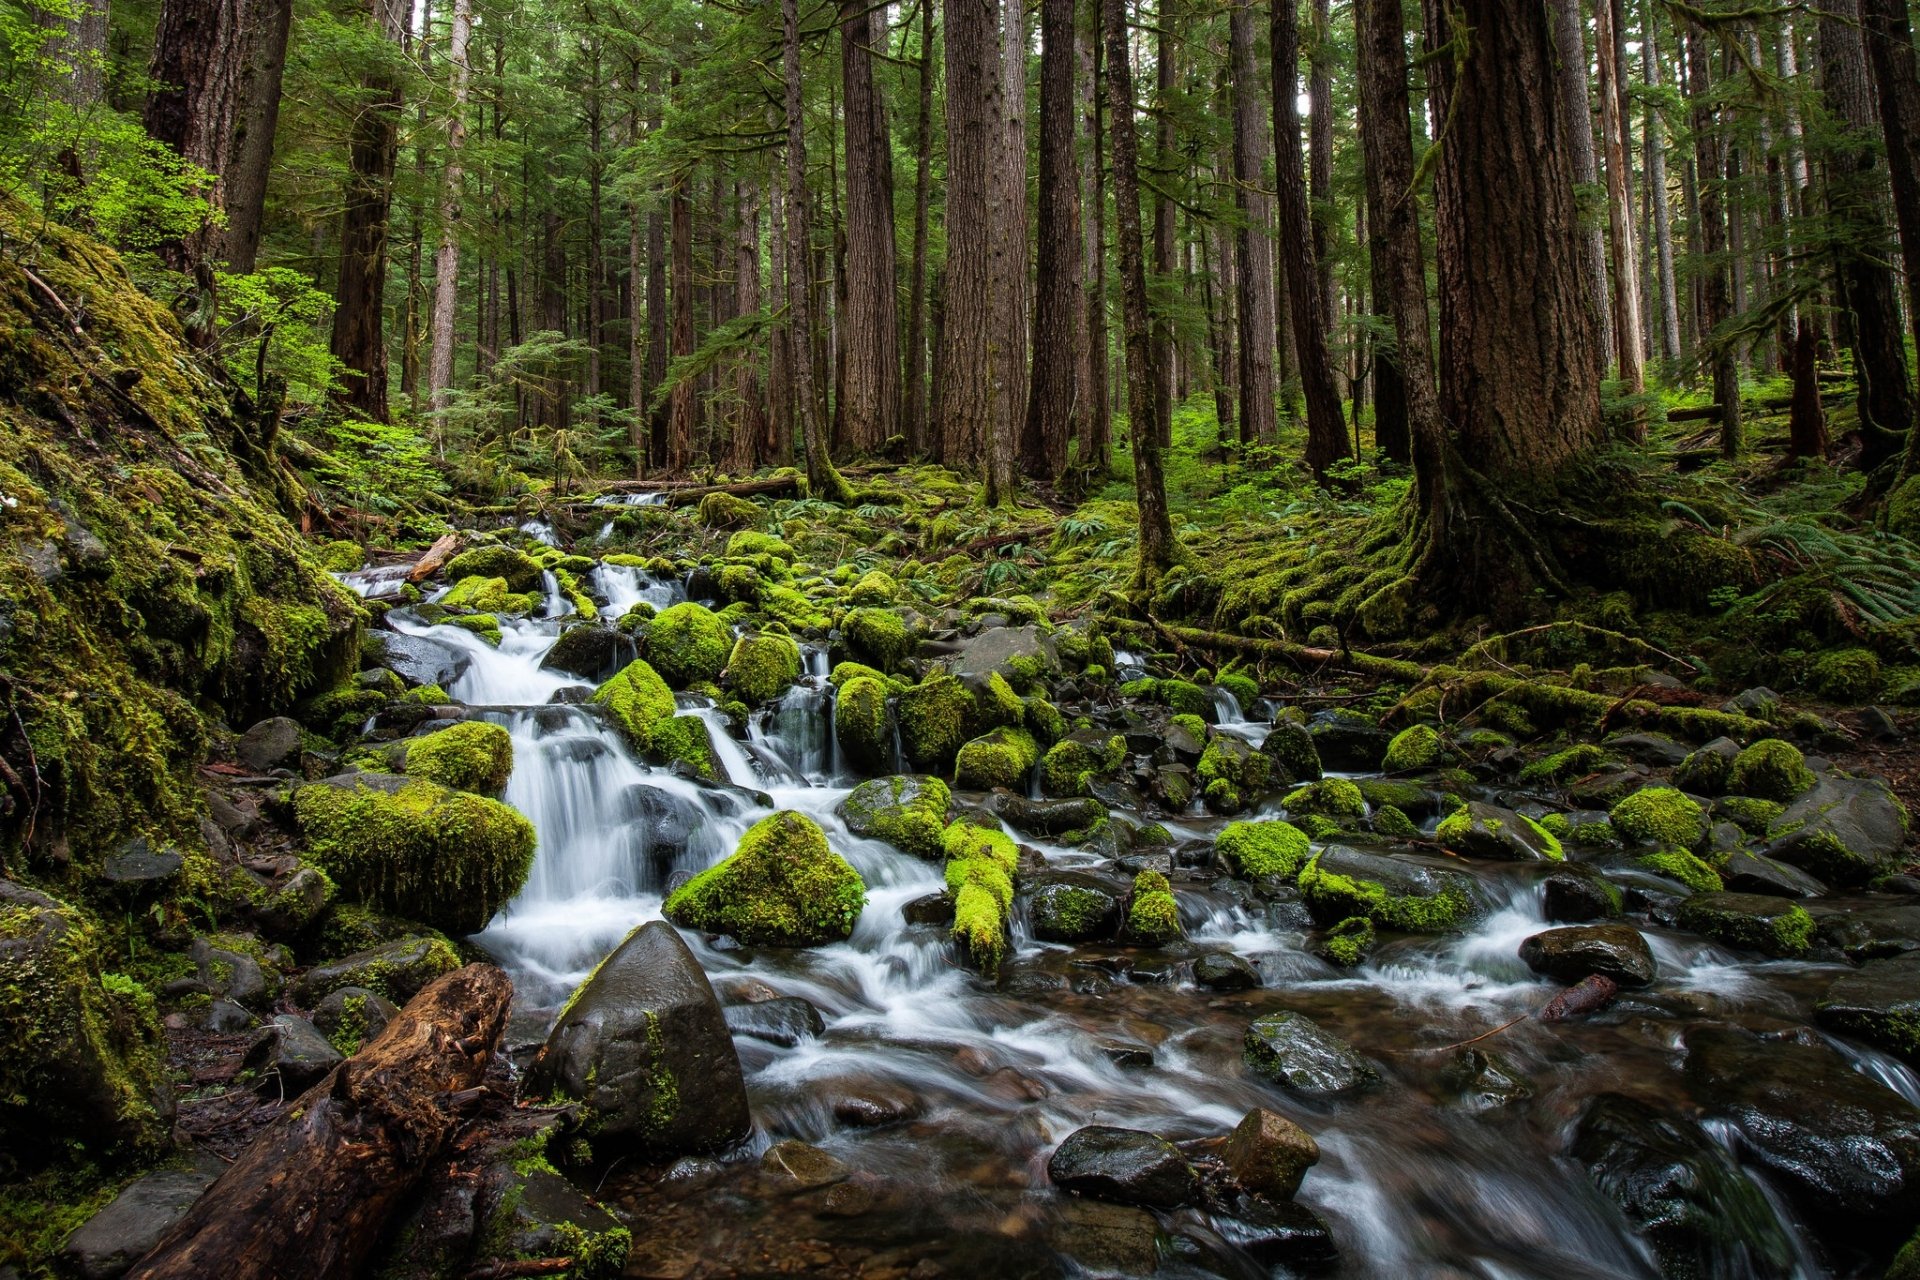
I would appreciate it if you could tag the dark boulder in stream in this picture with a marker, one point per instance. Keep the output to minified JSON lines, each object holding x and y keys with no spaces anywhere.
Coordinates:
{"x":1570,"y":954}
{"x":1880,"y":1004}
{"x":645,"y":1045}
{"x":1127,"y":1166}
{"x":1294,"y":1051}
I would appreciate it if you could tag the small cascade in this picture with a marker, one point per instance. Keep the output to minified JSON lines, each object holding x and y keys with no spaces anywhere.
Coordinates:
{"x":1226,"y":708}
{"x":798,"y":731}
{"x":557,"y":605}
{"x":382,"y":582}
{"x":540,"y":531}
{"x":507,"y":676}
{"x":624,"y":586}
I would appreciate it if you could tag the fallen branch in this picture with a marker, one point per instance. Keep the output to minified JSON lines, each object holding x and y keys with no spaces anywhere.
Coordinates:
{"x":438,"y":554}
{"x":1461,"y":1044}
{"x":1300,"y":655}
{"x":522,"y":1267}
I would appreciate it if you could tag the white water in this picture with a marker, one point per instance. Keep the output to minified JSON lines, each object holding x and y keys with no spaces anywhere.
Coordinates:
{"x":625,"y":586}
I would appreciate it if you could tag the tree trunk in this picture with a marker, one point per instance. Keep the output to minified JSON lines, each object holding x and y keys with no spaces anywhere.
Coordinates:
{"x":201,"y":52}
{"x":1054,"y":405}
{"x":657,"y":323}
{"x":1629,"y":342}
{"x":1520,"y":345}
{"x":1716,"y":299}
{"x":308,"y":1198}
{"x":1097,"y":455}
{"x":78,"y":51}
{"x":682,"y":412}
{"x":966,"y":369}
{"x":916,"y":408}
{"x":1890,"y":51}
{"x":637,"y":386}
{"x":751,"y":431}
{"x":1655,"y":149}
{"x":1008,"y":282}
{"x":359,"y":341}
{"x":1252,"y":249}
{"x":1570,"y":44}
{"x":1320,"y":159}
{"x":822,"y":480}
{"x":1218,"y":279}
{"x":253,"y":147}
{"x":1326,"y":422}
{"x":446,"y":261}
{"x":1156,"y":549}
{"x":780,"y":341}
{"x":1166,"y":17}
{"x":870,"y":330}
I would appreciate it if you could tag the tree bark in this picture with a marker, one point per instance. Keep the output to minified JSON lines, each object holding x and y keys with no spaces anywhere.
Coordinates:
{"x":870,"y":329}
{"x":1166,"y":17}
{"x":969,"y":398}
{"x":1252,"y":249}
{"x":1655,"y":149}
{"x":750,"y":432}
{"x":259,"y":118}
{"x":1326,"y":422}
{"x":446,"y":260}
{"x":1008,"y":206}
{"x":359,"y":339}
{"x":822,"y":480}
{"x":1054,"y":403}
{"x":308,"y":1198}
{"x":682,"y":412}
{"x":1629,"y":344}
{"x":1320,"y":159}
{"x":1716,"y":295}
{"x":1890,"y":51}
{"x":1570,"y":45}
{"x":199,"y":65}
{"x":916,"y":407}
{"x":1156,"y":549}
{"x":1097,"y":455}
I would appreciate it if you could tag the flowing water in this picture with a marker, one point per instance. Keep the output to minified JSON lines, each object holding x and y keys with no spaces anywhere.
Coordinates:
{"x":982,"y":1083}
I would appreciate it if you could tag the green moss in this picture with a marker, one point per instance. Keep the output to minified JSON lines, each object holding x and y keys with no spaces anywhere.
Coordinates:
{"x":521,"y":571}
{"x":964,"y":840}
{"x":473,"y":755}
{"x":845,"y":671}
{"x":687,"y":645}
{"x":861,"y":724}
{"x":485,"y":595}
{"x":994,"y":704}
{"x":878,"y":637}
{"x":1332,"y":895}
{"x":418,"y":850}
{"x":874,"y":588}
{"x":684,"y":740}
{"x":1750,"y":815}
{"x":1045,"y":720}
{"x":908,"y":813}
{"x":1244,"y":690}
{"x":749,"y":543}
{"x":1751,"y":922}
{"x":1416,"y":747}
{"x":341,"y":557}
{"x":1660,"y":815}
{"x":642,"y":708}
{"x":728,"y":511}
{"x":1681,"y":865}
{"x":1333,"y":798}
{"x":934,"y":715}
{"x":763,"y":666}
{"x":1347,"y":943}
{"x":1563,"y":766}
{"x":1227,"y":768}
{"x":484,"y":625}
{"x":979,"y":927}
{"x":1260,"y":849}
{"x":1394,"y":823}
{"x":1153,"y":917}
{"x":980,"y":867}
{"x":1770,"y":769}
{"x":783,"y":887}
{"x":1846,"y":675}
{"x":1193,"y":725}
{"x":1070,"y":765}
{"x":997,"y":759}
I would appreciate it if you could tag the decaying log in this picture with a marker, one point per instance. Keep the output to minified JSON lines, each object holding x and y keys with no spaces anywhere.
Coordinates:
{"x":309,"y":1198}
{"x":1299,"y":654}
{"x":438,"y":554}
{"x":677,"y":493}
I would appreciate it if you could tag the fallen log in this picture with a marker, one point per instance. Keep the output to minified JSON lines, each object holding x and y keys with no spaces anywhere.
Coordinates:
{"x":679,"y":492}
{"x":309,"y":1198}
{"x":1301,"y":655}
{"x":438,"y":554}
{"x":1590,"y":995}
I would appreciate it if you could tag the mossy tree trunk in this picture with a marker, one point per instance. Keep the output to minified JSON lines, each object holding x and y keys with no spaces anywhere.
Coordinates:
{"x":1054,"y":400}
{"x":1890,"y":50}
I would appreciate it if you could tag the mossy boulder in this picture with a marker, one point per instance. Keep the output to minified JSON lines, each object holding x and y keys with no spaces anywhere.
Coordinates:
{"x":1879,"y":1003}
{"x":1232,"y":774}
{"x":1750,"y":921}
{"x":1846,"y":675}
{"x":415,"y":848}
{"x":934,"y":716}
{"x":642,"y":708}
{"x":1576,"y":761}
{"x":1001,"y":758}
{"x":878,"y":637}
{"x":342,"y":557}
{"x":1291,"y":748}
{"x":782,"y":887}
{"x":995,"y":704}
{"x":398,"y":969}
{"x":875,"y":587}
{"x":520,"y":571}
{"x":763,"y":666}
{"x":474,"y":755}
{"x":979,"y":875}
{"x":1662,"y":816}
{"x":688,"y":644}
{"x":862,"y":724}
{"x":1335,"y":799}
{"x":1153,"y":917}
{"x":1340,"y":883}
{"x":1261,"y":849}
{"x":1770,"y":769}
{"x":1419,"y":746}
{"x":1681,"y":865}
{"x":487,"y":596}
{"x":1073,"y":911}
{"x":1845,"y":831}
{"x":1071,"y":765}
{"x":908,"y":812}
{"x":1481,"y":830}
{"x":748,"y":544}
{"x":82,"y":1059}
{"x":726,"y":511}
{"x":1347,"y":943}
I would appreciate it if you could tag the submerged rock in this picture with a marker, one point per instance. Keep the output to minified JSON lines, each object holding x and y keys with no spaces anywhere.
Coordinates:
{"x":783,"y":887}
{"x":644,"y":1043}
{"x":1292,"y":1050}
{"x":1616,"y":951}
{"x":1279,"y":1234}
{"x":785,"y":1020}
{"x":1126,"y":1166}
{"x":1879,"y":1004}
{"x":1073,"y":910}
{"x":1224,"y":971}
{"x":1483,"y":1079}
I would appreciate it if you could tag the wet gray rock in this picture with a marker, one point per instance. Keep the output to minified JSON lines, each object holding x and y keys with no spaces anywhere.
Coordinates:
{"x":231,"y":974}
{"x":1844,"y":1147}
{"x":416,"y":659}
{"x":1279,"y":1234}
{"x":1224,"y":971}
{"x":1607,"y":785}
{"x":785,"y":1021}
{"x":1879,"y":1004}
{"x":1705,"y":772}
{"x":997,"y":649}
{"x":1845,"y":830}
{"x":138,"y":868}
{"x":1576,"y":894}
{"x":1045,"y":817}
{"x":1749,"y":872}
{"x":1077,"y":909}
{"x":1488,"y":831}
{"x":1269,"y":1154}
{"x":1185,"y":745}
{"x":353,"y":1015}
{"x":1483,"y":1079}
{"x":1866,"y":929}
{"x":1654,"y":749}
{"x":398,"y":969}
{"x":1400,"y":878}
{"x":290,"y":1056}
{"x":111,"y":1241}
{"x":224,"y":1017}
{"x":645,"y":1045}
{"x":1699,"y":1212}
{"x":1297,"y":1053}
{"x":1751,"y":921}
{"x":1347,"y":740}
{"x":269,"y":745}
{"x":589,"y":650}
{"x":1126,"y":1166}
{"x":933,"y":909}
{"x":1615,"y":951}
{"x":1759,"y":702}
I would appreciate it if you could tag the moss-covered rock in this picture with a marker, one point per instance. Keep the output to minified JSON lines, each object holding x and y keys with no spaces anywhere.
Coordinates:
{"x":862,"y":724}
{"x":979,"y":874}
{"x":1339,"y":883}
{"x":1662,"y":816}
{"x":474,"y":755}
{"x":748,"y":544}
{"x":1770,"y":769}
{"x":1153,"y":917}
{"x":342,"y":557}
{"x":1183,"y":696}
{"x":687,"y":644}
{"x":726,"y":511}
{"x":934,"y":716}
{"x":1846,"y":675}
{"x":1751,"y":921}
{"x":487,"y":596}
{"x":1071,"y":765}
{"x":1232,"y":774}
{"x":1291,"y":748}
{"x":642,"y":708}
{"x":1347,"y":943}
{"x":415,"y":848}
{"x":997,"y":759}
{"x":397,"y":969}
{"x":908,"y":812}
{"x":1562,"y":766}
{"x":878,"y":637}
{"x":82,"y":1059}
{"x":521,"y":571}
{"x":875,"y":587}
{"x":1681,"y":865}
{"x":1482,"y":830}
{"x":763,"y":666}
{"x":1415,"y":747}
{"x":783,"y":887}
{"x":1333,"y":798}
{"x":1260,"y":849}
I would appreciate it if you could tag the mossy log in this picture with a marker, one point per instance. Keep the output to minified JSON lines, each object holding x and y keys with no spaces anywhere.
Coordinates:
{"x":309,"y":1198}
{"x":680,"y":492}
{"x":1300,"y":655}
